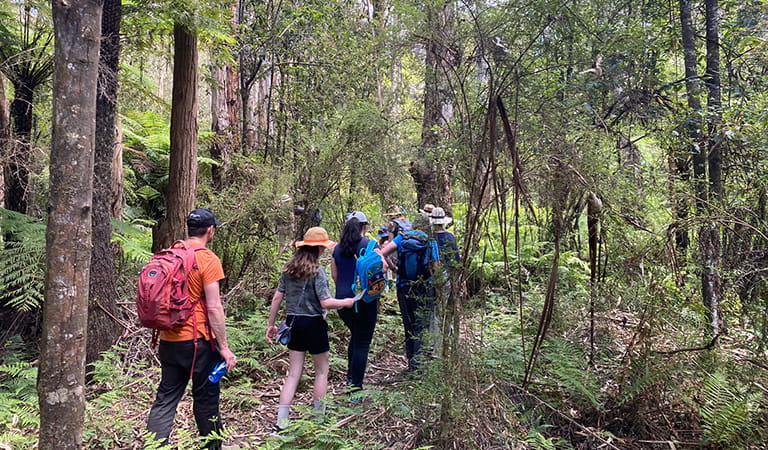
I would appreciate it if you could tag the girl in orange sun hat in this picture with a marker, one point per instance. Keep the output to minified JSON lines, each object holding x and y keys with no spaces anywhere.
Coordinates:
{"x":305,"y":288}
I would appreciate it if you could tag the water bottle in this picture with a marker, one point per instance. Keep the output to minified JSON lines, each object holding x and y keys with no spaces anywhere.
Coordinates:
{"x":218,"y":372}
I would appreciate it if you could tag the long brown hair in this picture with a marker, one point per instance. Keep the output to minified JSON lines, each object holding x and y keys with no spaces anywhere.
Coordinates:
{"x":304,"y":262}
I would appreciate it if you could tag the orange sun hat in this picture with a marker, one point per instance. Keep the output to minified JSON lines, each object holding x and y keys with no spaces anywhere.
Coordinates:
{"x":316,"y":236}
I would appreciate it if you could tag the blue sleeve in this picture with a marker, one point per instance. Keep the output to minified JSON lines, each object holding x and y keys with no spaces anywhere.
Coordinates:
{"x":435,"y":251}
{"x":397,"y":240}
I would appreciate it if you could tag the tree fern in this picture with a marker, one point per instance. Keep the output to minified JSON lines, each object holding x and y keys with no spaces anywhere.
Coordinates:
{"x":728,"y":413}
{"x":22,"y":261}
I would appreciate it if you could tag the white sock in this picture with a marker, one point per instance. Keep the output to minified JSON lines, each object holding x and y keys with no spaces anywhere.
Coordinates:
{"x":283,"y":411}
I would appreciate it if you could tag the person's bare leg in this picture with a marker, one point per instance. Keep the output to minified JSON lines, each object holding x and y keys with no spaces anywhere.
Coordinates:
{"x":295,"y":369}
{"x":322,"y":363}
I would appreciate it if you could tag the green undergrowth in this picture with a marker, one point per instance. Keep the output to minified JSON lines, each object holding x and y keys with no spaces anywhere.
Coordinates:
{"x":636,"y":386}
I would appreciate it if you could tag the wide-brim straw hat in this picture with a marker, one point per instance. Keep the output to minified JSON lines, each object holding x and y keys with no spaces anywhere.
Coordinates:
{"x":428,"y":208}
{"x":395,"y":211}
{"x":316,"y":236}
{"x":438,"y":217}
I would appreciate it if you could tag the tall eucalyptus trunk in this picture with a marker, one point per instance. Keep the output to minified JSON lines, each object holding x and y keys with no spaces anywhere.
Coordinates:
{"x":61,"y":376}
{"x":182,"y":172}
{"x":225,"y":112}
{"x":709,"y":235}
{"x":432,"y":174}
{"x":103,"y":311}
{"x":692,"y":124}
{"x":225,"y":106}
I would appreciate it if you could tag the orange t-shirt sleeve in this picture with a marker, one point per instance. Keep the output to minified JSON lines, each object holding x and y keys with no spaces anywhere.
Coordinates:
{"x":209,"y":270}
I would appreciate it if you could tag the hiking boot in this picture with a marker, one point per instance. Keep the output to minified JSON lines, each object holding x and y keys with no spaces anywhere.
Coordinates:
{"x":356,"y":393}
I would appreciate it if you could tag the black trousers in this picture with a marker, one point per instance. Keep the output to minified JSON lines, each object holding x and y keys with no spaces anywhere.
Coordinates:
{"x":176,"y":362}
{"x":361,"y":325}
{"x":417,"y":304}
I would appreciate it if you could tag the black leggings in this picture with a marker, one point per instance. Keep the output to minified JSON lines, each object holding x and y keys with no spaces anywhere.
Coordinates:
{"x":417,"y":304}
{"x":361,"y":324}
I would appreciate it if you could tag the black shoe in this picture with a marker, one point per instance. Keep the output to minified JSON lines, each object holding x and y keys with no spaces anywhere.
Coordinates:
{"x":356,"y":393}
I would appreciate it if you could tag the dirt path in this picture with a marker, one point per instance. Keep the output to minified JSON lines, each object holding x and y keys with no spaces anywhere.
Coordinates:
{"x":249,"y":409}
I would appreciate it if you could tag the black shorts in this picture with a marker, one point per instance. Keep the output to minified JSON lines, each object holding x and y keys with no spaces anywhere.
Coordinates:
{"x":309,"y":334}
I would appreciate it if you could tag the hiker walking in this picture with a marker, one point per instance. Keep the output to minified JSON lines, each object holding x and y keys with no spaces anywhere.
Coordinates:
{"x":305,"y":288}
{"x":446,"y":241}
{"x":398,"y":222}
{"x":418,"y":256}
{"x":361,"y":319}
{"x":449,"y":262}
{"x":426,"y":211}
{"x":385,"y":236}
{"x":197,"y":346}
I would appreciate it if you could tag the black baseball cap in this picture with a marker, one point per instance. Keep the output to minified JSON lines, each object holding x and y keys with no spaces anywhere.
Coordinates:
{"x":201,"y":218}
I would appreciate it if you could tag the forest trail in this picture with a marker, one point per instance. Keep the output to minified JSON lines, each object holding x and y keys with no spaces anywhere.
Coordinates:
{"x":249,"y":413}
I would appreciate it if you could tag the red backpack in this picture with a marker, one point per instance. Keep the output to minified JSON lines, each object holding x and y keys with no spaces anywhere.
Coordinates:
{"x":163,"y":296}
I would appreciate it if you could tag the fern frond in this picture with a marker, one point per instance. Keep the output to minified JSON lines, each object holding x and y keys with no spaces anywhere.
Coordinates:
{"x":642,"y":377}
{"x":22,"y":261}
{"x":728,"y":413}
{"x":567,"y":367}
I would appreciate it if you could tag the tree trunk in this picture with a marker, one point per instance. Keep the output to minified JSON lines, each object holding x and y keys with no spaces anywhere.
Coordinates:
{"x":5,"y":136}
{"x":102,"y":307}
{"x":182,"y":172}
{"x":61,"y":377}
{"x":692,"y":123}
{"x":16,"y":169}
{"x":709,"y":237}
{"x":118,"y":194}
{"x":225,"y":105}
{"x":431,"y":176}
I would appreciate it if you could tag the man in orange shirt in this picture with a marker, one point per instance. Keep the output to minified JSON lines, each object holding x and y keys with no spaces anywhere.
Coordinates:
{"x":181,"y":346}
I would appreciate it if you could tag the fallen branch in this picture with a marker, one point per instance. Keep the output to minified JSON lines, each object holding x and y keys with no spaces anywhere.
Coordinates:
{"x":692,"y":349}
{"x":757,"y":363}
{"x":121,"y":322}
{"x":670,"y":443}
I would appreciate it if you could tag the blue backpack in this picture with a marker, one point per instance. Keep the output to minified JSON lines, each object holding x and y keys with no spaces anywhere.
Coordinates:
{"x":413,"y":255}
{"x":369,"y":274}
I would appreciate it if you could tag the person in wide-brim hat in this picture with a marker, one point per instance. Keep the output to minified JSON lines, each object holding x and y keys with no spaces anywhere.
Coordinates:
{"x":438,"y":217}
{"x":305,"y":289}
{"x":395,"y":211}
{"x":316,"y":236}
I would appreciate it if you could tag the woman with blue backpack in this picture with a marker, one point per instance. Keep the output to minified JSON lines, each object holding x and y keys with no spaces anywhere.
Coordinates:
{"x":361,"y":318}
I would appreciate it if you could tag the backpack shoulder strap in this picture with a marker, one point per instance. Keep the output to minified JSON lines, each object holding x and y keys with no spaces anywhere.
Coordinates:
{"x":369,"y":248}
